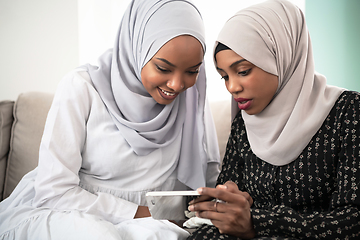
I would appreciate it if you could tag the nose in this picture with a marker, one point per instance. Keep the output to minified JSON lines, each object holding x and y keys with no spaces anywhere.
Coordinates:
{"x":176,"y":83}
{"x":233,"y":85}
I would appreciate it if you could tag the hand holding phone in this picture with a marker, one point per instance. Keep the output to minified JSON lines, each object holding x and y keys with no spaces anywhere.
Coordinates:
{"x":169,"y":205}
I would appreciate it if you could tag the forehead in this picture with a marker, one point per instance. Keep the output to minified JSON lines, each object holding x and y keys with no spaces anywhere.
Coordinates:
{"x":181,"y":43}
{"x":228,"y":58}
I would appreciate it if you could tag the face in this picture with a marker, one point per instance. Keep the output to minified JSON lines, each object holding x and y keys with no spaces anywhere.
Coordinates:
{"x":173,"y":69}
{"x":251,"y":87}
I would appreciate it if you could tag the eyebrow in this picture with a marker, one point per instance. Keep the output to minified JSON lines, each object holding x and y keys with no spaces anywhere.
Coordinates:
{"x":233,"y":64}
{"x":237,"y":62}
{"x":167,"y":62}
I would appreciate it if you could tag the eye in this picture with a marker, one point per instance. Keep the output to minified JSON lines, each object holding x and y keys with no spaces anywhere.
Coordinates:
{"x":245,"y":73}
{"x":162,"y":69}
{"x":194,"y":72}
{"x":226,"y":77}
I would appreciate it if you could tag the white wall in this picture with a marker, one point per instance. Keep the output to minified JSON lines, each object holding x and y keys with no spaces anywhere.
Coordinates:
{"x":99,"y":22}
{"x":42,"y":40}
{"x":38,"y":44}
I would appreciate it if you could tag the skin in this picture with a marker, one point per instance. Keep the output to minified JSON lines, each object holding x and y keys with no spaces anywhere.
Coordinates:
{"x":174,"y":68}
{"x":247,"y":81}
{"x":232,"y":216}
{"x":256,"y":88}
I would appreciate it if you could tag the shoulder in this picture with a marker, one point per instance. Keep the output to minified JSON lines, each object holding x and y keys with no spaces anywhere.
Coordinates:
{"x":348,"y":101}
{"x":77,"y":85}
{"x":345,"y":112}
{"x":348,"y":97}
{"x":76,"y":91}
{"x":76,"y":80}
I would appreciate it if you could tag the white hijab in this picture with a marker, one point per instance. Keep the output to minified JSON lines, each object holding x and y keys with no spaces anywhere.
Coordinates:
{"x":273,"y":36}
{"x":146,"y":125}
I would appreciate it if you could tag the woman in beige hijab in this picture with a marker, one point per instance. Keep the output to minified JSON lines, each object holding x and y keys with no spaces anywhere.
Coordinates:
{"x":291,"y":168}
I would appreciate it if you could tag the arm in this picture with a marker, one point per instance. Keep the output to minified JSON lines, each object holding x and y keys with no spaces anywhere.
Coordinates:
{"x":60,"y":157}
{"x":341,"y":220}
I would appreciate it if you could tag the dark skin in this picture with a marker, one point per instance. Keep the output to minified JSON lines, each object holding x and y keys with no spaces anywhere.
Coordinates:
{"x":232,"y":216}
{"x":142,"y":212}
{"x":174,"y":68}
{"x":254,"y":88}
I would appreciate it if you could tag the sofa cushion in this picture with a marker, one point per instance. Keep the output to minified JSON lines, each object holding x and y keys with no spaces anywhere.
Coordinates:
{"x":6,"y":120}
{"x":30,"y":112}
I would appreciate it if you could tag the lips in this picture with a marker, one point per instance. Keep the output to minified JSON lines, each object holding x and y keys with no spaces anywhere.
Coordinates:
{"x":243,"y":103}
{"x":167,"y":95}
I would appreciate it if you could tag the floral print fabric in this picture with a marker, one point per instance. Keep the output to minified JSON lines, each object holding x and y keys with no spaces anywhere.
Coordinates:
{"x":315,"y":196}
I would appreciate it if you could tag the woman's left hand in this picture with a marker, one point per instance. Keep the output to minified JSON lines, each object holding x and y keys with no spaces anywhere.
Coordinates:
{"x":231,"y":215}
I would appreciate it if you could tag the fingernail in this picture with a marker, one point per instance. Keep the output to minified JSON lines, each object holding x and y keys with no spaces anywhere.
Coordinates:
{"x":223,"y":186}
{"x":191,"y":202}
{"x":199,"y":190}
{"x":191,"y":208}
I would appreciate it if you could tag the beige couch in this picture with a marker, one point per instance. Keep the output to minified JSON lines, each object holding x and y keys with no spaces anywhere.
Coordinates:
{"x":22,"y":123}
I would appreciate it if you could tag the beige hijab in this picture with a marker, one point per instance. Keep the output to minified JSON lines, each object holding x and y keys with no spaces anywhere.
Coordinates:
{"x":273,"y":36}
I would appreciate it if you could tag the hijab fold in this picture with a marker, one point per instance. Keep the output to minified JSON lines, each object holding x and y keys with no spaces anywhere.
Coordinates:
{"x":273,"y":36}
{"x":146,"y":125}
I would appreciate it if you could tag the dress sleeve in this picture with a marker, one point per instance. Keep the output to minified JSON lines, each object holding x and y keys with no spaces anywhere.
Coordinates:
{"x":57,"y":182}
{"x":342,"y":220}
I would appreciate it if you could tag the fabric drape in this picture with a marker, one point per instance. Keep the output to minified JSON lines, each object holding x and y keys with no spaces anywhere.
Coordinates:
{"x":273,"y":36}
{"x":145,"y":124}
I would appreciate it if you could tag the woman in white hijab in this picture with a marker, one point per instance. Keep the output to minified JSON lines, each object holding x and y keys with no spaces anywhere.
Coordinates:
{"x":291,"y":168}
{"x":135,"y":123}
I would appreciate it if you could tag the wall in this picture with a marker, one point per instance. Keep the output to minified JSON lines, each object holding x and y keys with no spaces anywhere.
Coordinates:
{"x":41,"y":40}
{"x":38,"y":44}
{"x":99,"y":21}
{"x":335,"y":35}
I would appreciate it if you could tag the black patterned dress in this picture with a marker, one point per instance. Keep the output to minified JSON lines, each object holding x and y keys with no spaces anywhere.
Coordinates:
{"x":315,"y":196}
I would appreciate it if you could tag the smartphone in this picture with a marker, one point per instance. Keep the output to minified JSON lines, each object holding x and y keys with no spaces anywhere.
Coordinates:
{"x":169,"y":205}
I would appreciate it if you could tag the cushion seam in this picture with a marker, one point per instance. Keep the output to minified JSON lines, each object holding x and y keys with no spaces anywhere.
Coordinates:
{"x":10,"y":148}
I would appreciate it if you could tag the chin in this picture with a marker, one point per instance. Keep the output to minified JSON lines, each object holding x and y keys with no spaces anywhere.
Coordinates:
{"x":251,"y":112}
{"x":164,"y":101}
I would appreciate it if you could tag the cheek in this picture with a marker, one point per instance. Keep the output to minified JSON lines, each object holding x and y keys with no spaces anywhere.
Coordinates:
{"x":190,"y":81}
{"x":267,"y":89}
{"x":272,"y":85}
{"x":150,"y":79}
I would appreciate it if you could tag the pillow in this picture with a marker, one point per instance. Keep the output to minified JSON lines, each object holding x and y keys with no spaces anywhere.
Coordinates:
{"x":30,"y":112}
{"x":6,"y":120}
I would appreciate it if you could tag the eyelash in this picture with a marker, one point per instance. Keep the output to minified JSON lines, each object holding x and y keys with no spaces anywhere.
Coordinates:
{"x":242,"y":73}
{"x":166,"y":71}
{"x":225,"y":77}
{"x":193,"y":72}
{"x":162,"y":69}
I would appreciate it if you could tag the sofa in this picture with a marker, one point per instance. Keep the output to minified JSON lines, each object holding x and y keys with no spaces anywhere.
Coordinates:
{"x":22,"y":124}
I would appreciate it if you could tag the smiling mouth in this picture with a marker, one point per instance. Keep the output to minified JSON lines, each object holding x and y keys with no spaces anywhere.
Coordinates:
{"x":167,"y":93}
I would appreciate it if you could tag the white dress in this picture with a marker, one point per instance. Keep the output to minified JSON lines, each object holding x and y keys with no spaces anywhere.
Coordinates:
{"x":89,"y":182}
